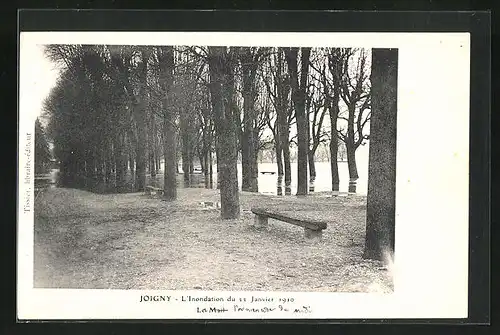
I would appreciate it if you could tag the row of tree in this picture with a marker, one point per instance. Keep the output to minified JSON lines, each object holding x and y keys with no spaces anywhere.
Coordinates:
{"x":117,"y":110}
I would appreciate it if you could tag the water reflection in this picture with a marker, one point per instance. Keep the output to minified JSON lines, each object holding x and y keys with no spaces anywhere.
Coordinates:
{"x":352,"y":185}
{"x":311,"y":184}
{"x":279,"y":187}
{"x":44,"y":181}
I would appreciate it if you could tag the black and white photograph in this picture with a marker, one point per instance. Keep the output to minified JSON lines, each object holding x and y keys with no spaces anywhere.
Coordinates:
{"x":242,"y":175}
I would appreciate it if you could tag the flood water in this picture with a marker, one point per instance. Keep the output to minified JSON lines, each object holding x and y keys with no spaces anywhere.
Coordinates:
{"x":323,"y":183}
{"x":267,"y":181}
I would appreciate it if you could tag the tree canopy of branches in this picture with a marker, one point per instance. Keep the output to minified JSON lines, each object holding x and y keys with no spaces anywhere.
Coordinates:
{"x":117,"y":111}
{"x":103,"y":113}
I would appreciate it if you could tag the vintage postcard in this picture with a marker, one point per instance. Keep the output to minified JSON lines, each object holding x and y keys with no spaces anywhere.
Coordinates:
{"x":204,"y":175}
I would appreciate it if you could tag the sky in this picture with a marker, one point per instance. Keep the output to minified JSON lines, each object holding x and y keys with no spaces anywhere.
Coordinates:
{"x":41,"y":77}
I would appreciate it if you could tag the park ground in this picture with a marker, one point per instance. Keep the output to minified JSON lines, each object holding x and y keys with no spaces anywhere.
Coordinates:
{"x":136,"y":241}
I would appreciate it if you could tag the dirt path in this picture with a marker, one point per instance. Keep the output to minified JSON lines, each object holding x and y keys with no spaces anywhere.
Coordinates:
{"x":123,"y":241}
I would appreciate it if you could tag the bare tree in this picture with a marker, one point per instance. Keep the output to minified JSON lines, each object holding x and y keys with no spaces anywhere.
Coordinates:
{"x":337,"y":65}
{"x":316,"y":109}
{"x":299,"y":86}
{"x":221,"y":65}
{"x":381,"y":198}
{"x":250,"y":59}
{"x":139,"y":113}
{"x":165,"y":56}
{"x":355,"y":93}
{"x":277,"y":82}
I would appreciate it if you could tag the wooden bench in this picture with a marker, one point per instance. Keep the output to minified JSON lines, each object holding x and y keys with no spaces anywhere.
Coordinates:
{"x":153,"y":190}
{"x":267,"y":172}
{"x":313,"y":229}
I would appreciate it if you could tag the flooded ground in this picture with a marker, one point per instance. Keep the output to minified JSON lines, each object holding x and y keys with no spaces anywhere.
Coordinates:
{"x":267,"y":180}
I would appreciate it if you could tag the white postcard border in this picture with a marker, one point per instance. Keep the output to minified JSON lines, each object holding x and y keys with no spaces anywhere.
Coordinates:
{"x":431,"y":258}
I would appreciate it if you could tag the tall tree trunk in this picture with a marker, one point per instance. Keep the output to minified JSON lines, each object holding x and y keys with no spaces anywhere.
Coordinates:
{"x":109,"y":158}
{"x":166,"y":61}
{"x":217,"y":155}
{"x":245,"y":163}
{"x":152,"y":149}
{"x":221,"y":89}
{"x":351,"y":164}
{"x":156,"y":148}
{"x":178,"y":165}
{"x":131,"y":144}
{"x":208,"y":148}
{"x":310,"y":150}
{"x":211,"y":169}
{"x":351,"y":146}
{"x":131,"y":162}
{"x":147,"y":150}
{"x":249,"y":138}
{"x":206,"y":170}
{"x":185,"y":148}
{"x":381,"y":199}
{"x":337,"y":66}
{"x":312,"y":165}
{"x":191,"y":164}
{"x":299,"y":97}
{"x":152,"y":164}
{"x":201,"y":158}
{"x":334,"y":143}
{"x":287,"y":164}
{"x":279,"y":154}
{"x":119,"y":163}
{"x":169,"y":152}
{"x":351,"y":151}
{"x":140,"y":175}
{"x":139,"y":110}
{"x":310,"y":159}
{"x":283,"y":129}
{"x":255,"y":164}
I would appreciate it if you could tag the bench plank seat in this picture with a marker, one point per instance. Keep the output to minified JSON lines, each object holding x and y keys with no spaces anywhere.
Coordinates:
{"x":312,"y":228}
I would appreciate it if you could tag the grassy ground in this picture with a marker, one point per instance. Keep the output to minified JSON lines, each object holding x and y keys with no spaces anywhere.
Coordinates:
{"x":124,"y":241}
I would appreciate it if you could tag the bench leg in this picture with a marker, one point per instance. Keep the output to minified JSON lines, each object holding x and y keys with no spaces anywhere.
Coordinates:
{"x":313,"y":234}
{"x":260,"y":221}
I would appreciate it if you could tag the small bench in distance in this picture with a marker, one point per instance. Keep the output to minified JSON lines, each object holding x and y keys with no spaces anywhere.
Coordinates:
{"x":313,"y":229}
{"x":150,"y":190}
